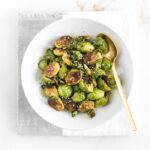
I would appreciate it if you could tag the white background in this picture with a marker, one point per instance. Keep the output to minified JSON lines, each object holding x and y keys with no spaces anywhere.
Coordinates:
{"x":9,"y":139}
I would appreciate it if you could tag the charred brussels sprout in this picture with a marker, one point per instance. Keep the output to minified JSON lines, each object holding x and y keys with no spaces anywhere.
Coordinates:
{"x":92,"y":57}
{"x":102,"y":85}
{"x":96,"y":94}
{"x":63,"y":72}
{"x":63,"y":42}
{"x":78,"y":96}
{"x":71,"y":106}
{"x":52,"y":69}
{"x":86,"y":86}
{"x":85,"y":47}
{"x":65,"y":91}
{"x":73,"y":77}
{"x":86,"y":106}
{"x":42,"y":64}
{"x":101,"y":44}
{"x":56,"y":103}
{"x":50,"y":91}
{"x":106,"y":64}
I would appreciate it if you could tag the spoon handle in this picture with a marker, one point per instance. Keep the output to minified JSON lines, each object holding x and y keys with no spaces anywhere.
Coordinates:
{"x":124,"y":99}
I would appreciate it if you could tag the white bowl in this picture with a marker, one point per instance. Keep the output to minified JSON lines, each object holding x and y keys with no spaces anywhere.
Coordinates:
{"x":30,"y":75}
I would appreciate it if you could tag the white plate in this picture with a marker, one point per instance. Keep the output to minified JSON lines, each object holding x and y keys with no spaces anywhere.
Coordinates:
{"x":31,"y":79}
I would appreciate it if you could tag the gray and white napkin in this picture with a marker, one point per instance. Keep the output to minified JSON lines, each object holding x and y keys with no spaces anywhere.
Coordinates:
{"x":29,"y":25}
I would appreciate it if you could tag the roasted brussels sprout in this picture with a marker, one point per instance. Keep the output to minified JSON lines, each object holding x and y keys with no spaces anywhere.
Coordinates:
{"x":66,"y":59}
{"x":91,"y":113}
{"x":97,"y":72}
{"x":101,"y":44}
{"x":73,"y":77}
{"x":102,"y":85}
{"x":42,"y":64}
{"x":77,"y":55}
{"x":106,"y":64}
{"x":85,"y":47}
{"x":63,"y":72}
{"x":63,"y":42}
{"x":110,"y":80}
{"x":71,"y":106}
{"x":52,"y":69}
{"x":49,"y":55}
{"x":86,"y":106}
{"x":96,"y":94}
{"x":86,"y":86}
{"x":59,"y":52}
{"x":46,"y":80}
{"x":78,"y":97}
{"x":50,"y":91}
{"x":56,"y":103}
{"x":65,"y":91}
{"x":101,"y":102}
{"x":92,"y":57}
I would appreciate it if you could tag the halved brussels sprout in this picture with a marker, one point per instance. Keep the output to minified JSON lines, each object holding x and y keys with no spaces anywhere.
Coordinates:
{"x":101,"y":44}
{"x":65,"y":91}
{"x":92,"y":57}
{"x":78,"y":96}
{"x":42,"y":64}
{"x":102,"y":85}
{"x":97,"y":72}
{"x":86,"y":106}
{"x":91,"y":113}
{"x":77,"y":55}
{"x":63,"y":72}
{"x":52,"y":69}
{"x":66,"y":59}
{"x":59,"y":52}
{"x":73,"y":77}
{"x":71,"y":106}
{"x":56,"y":103}
{"x":46,"y":79}
{"x":96,"y":94}
{"x":106,"y":64}
{"x":110,"y":80}
{"x":49,"y":54}
{"x":86,"y":86}
{"x":101,"y":102}
{"x":85,"y":47}
{"x":63,"y":42}
{"x":50,"y":91}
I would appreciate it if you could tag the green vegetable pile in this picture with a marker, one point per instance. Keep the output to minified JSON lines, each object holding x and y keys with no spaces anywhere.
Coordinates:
{"x":76,"y":75}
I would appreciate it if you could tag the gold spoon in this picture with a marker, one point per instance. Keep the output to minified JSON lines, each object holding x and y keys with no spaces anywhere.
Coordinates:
{"x":112,"y":55}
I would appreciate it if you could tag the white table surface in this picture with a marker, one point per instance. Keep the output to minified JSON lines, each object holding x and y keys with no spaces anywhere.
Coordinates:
{"x":9,"y":139}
